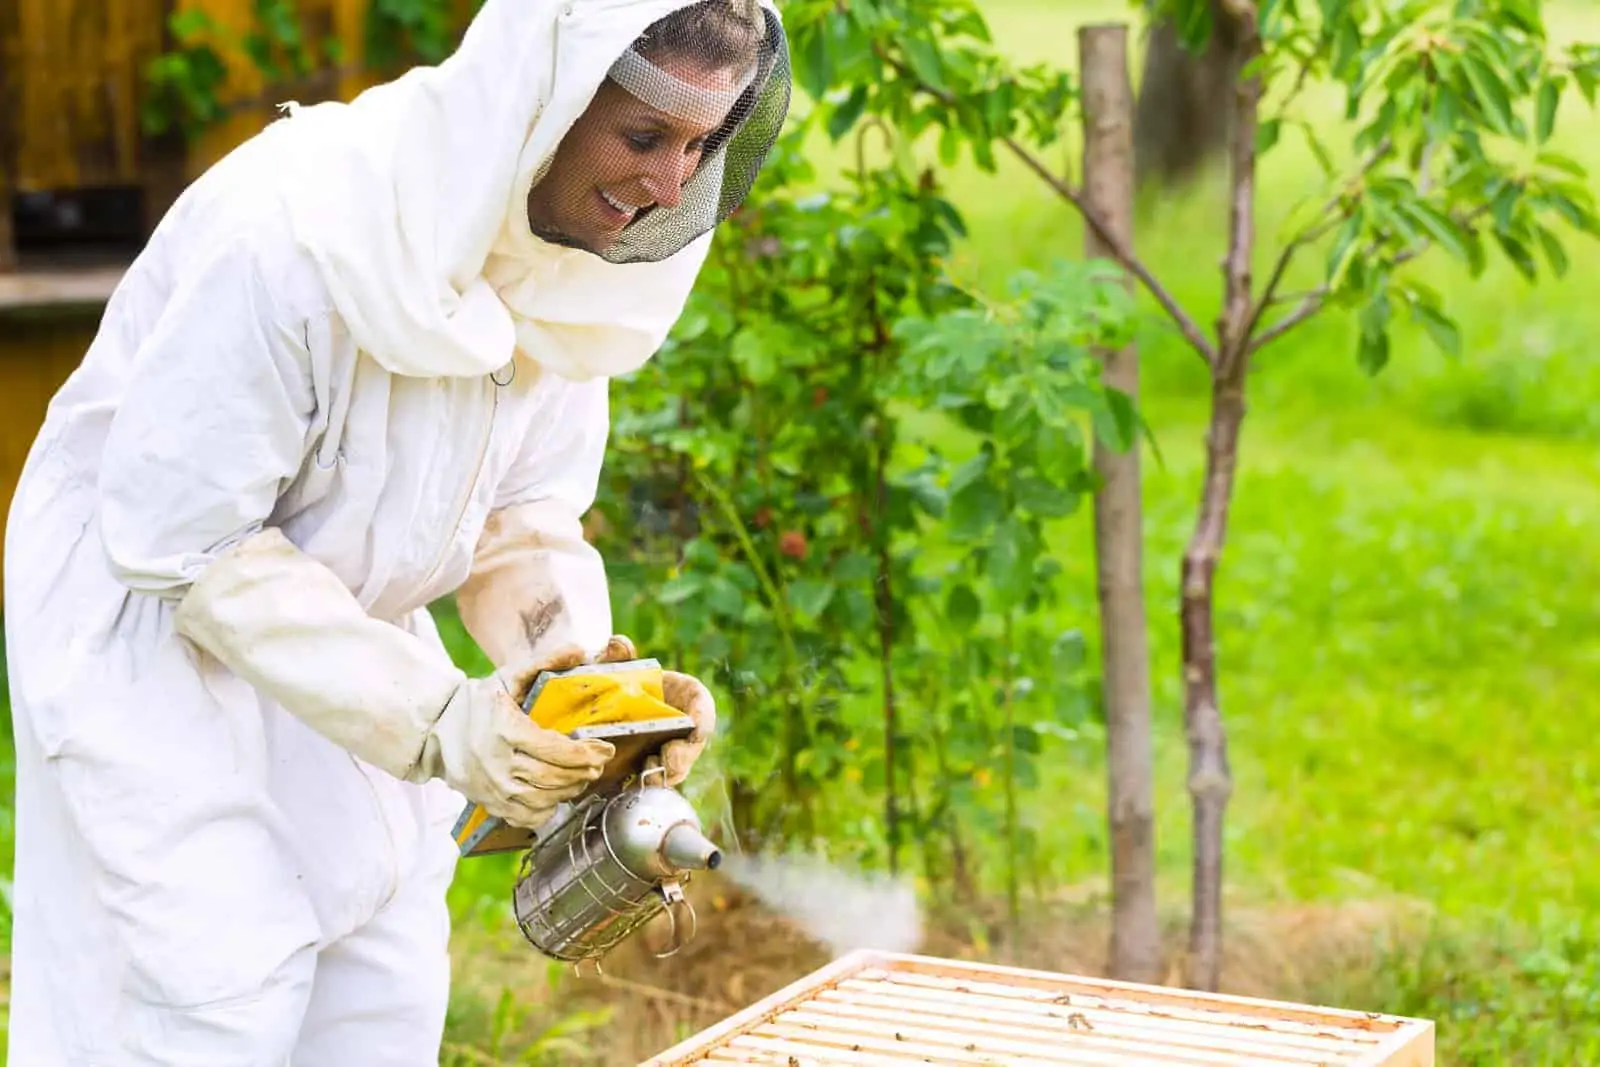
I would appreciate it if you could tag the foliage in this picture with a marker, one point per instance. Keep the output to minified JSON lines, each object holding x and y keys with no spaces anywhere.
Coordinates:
{"x":1436,"y":98}
{"x":1022,"y":376}
{"x":518,"y":1035}
{"x":1451,"y":110}
{"x":774,"y":511}
{"x":187,"y":87}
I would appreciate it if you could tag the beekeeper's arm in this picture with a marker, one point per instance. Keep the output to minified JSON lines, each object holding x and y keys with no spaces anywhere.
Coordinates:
{"x":215,"y":422}
{"x":537,"y":584}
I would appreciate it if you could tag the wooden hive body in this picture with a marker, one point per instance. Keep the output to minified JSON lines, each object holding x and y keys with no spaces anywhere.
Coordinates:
{"x":890,"y":1010}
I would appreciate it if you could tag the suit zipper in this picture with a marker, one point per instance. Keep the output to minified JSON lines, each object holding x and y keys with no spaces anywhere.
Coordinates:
{"x":444,"y":554}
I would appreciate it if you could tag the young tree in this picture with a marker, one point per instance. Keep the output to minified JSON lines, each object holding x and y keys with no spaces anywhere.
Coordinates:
{"x":1450,"y":109}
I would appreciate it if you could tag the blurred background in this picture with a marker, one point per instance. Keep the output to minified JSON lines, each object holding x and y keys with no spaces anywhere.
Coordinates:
{"x":865,"y":511}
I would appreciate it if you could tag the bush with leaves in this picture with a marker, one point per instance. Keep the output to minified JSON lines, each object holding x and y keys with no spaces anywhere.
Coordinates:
{"x":1021,"y":375}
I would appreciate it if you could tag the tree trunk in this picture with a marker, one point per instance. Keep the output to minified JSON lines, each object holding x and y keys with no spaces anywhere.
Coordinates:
{"x":1185,"y":102}
{"x":1210,"y":778}
{"x":1135,"y":948}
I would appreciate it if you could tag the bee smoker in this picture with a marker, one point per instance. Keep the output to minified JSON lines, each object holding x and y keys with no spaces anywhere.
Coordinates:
{"x":616,"y":856}
{"x":611,"y":864}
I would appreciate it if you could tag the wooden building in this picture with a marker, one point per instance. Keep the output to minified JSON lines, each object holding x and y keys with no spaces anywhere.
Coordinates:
{"x":82,"y":181}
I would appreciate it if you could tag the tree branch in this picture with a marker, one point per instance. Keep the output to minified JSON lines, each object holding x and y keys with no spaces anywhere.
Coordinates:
{"x":1301,"y":78}
{"x":1120,"y":251}
{"x":1317,"y":300}
{"x":1238,"y":315}
{"x":1124,"y":255}
{"x":1308,"y":236}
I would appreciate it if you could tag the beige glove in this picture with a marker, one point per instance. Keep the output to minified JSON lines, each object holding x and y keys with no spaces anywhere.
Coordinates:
{"x":689,"y":695}
{"x":286,"y":624}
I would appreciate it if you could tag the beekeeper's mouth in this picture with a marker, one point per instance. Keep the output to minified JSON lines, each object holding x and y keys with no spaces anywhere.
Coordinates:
{"x":617,"y":210}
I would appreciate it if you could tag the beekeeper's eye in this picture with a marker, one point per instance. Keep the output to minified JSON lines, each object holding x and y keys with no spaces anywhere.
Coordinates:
{"x":644,"y":142}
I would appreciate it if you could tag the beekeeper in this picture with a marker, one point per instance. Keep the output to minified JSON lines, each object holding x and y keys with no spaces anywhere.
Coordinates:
{"x":361,"y":365}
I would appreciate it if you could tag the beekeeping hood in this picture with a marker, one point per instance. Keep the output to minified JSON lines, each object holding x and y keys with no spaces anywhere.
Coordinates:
{"x":413,"y":198}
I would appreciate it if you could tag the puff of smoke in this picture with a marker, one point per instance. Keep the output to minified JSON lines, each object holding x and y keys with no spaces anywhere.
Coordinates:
{"x":840,"y":908}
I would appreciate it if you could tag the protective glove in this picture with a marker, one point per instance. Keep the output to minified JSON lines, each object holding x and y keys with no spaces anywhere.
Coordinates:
{"x":487,"y":749}
{"x":685,"y":693}
{"x":286,"y":624}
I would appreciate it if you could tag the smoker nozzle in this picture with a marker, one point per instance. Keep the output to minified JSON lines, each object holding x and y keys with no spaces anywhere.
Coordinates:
{"x":686,"y":848}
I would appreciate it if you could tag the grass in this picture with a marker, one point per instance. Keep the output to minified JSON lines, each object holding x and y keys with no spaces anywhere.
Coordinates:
{"x":1405,"y":610}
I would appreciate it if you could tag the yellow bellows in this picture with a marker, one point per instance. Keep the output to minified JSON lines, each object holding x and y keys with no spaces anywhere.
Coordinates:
{"x":585,"y":697}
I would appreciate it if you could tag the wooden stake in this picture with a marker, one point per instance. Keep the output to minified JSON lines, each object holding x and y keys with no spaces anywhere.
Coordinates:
{"x":1108,"y":188}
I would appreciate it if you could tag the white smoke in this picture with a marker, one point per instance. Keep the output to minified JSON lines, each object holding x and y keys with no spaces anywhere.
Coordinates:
{"x":843,"y":909}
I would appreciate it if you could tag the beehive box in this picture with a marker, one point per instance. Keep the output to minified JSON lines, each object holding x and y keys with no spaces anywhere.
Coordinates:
{"x":892,"y":1010}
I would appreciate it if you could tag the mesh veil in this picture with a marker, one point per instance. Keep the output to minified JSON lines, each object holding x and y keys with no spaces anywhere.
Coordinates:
{"x":674,"y":138}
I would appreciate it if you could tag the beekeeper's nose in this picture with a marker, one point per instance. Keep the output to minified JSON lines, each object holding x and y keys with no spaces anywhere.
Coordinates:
{"x":665,"y":183}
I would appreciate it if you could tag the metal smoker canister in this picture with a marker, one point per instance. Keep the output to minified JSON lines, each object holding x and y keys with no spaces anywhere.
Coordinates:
{"x":612,"y":865}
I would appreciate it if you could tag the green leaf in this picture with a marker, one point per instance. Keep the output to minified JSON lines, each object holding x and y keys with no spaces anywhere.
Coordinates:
{"x":755,"y":352}
{"x":1118,"y":422}
{"x":1549,"y":100}
{"x":814,"y":59}
{"x":972,"y":470}
{"x":1553,"y":251}
{"x":724,"y":598}
{"x":1440,"y":227}
{"x":962,"y":608}
{"x":809,"y":597}
{"x":677,"y":590}
{"x":1012,"y":552}
{"x":1267,"y":135}
{"x":1192,"y":19}
{"x":1318,"y":149}
{"x":923,"y":56}
{"x":1518,"y":254}
{"x":1344,"y":246}
{"x":1046,"y":499}
{"x":1580,"y":218}
{"x":1025,"y":738}
{"x":975,"y":509}
{"x":1491,"y":93}
{"x":1069,"y":651}
{"x":1372,"y":352}
{"x":1444,"y":332}
{"x":845,"y":115}
{"x":949,"y":146}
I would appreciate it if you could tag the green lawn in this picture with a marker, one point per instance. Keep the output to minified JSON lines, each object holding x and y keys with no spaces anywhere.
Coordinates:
{"x":1406,"y":609}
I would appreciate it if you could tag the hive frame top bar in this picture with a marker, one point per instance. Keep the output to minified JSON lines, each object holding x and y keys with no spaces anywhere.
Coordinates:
{"x":884,"y":1009}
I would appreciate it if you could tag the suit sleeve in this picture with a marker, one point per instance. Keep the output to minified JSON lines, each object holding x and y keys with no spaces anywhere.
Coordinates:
{"x":537,"y":585}
{"x":212,"y":426}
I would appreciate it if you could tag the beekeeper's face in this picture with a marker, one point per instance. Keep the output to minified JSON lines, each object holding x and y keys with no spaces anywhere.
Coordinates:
{"x":621,"y":158}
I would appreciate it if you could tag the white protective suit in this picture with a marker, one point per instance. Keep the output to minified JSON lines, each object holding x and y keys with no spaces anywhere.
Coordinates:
{"x":344,"y":349}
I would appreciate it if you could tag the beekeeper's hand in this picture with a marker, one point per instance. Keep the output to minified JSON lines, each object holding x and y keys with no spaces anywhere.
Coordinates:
{"x":690,"y":696}
{"x":487,"y":749}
